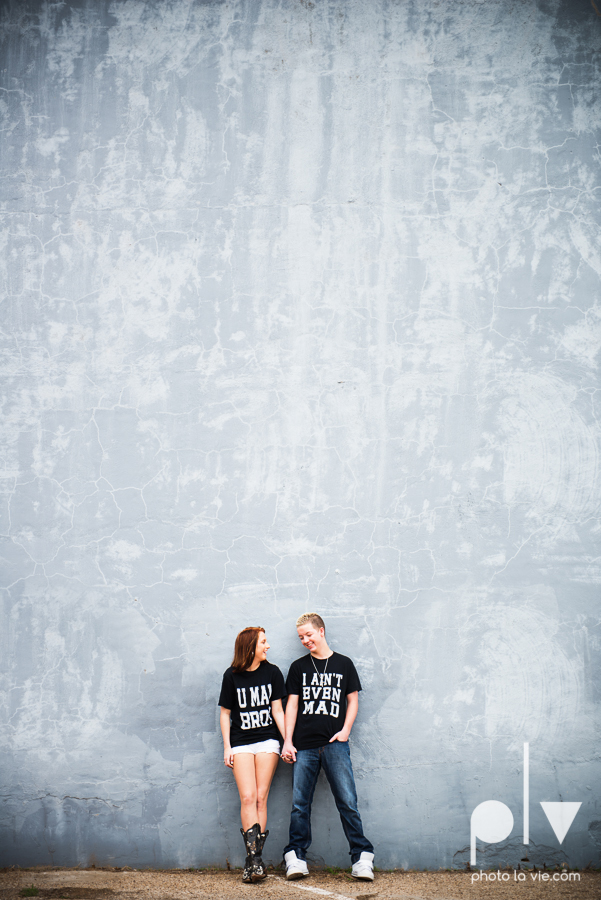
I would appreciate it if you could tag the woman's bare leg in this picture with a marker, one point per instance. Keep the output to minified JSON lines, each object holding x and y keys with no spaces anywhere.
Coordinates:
{"x":265,"y":766}
{"x":244,"y":773}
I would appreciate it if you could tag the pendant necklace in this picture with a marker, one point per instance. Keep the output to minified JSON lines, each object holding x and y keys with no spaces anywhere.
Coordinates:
{"x":324,"y":668}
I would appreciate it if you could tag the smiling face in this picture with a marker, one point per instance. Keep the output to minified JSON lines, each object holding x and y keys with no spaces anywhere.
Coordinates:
{"x":314,"y":639}
{"x":261,"y":649}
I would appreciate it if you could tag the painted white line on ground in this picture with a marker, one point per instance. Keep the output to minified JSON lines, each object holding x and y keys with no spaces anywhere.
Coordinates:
{"x":368,"y":885}
{"x":313,"y":890}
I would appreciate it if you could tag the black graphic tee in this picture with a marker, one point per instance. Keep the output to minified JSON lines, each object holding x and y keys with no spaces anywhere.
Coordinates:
{"x":248,"y":695}
{"x":322,"y":691}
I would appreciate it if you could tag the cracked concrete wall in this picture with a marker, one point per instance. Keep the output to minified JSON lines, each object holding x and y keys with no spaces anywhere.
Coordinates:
{"x":300,"y":310}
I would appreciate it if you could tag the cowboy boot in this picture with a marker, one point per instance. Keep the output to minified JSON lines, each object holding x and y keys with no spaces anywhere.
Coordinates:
{"x":259,"y":872}
{"x":248,"y":862}
{"x":251,"y":840}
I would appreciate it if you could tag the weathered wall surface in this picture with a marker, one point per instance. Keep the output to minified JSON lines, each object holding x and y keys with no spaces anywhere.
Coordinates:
{"x":300,"y":309}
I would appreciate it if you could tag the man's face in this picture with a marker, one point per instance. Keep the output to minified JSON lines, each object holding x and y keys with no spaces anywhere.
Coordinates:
{"x":311,"y":637}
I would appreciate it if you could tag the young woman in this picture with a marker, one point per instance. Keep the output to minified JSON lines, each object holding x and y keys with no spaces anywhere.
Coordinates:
{"x":251,"y":716}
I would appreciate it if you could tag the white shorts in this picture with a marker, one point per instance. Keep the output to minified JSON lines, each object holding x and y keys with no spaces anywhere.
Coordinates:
{"x":270,"y":746}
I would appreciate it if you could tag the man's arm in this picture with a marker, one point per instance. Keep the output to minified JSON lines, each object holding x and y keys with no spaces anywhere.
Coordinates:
{"x":352,"y":707}
{"x":289,"y":750}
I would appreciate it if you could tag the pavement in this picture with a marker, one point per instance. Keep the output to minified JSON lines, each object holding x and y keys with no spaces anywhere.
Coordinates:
{"x":217,"y":884}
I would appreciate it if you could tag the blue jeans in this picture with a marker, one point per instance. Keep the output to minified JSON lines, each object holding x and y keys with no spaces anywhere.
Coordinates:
{"x":336,"y":761}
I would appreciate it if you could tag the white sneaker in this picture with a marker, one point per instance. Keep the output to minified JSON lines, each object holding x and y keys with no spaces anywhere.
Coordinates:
{"x":295,"y":867}
{"x":363,"y":869}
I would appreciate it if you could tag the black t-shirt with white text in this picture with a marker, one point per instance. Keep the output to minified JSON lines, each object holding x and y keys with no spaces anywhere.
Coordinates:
{"x":322,"y":686}
{"x":248,"y":696}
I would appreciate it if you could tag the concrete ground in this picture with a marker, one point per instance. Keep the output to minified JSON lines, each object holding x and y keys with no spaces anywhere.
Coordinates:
{"x":102,"y":884}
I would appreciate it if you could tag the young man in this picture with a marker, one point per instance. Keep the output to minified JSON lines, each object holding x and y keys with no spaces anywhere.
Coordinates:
{"x":323,"y":699}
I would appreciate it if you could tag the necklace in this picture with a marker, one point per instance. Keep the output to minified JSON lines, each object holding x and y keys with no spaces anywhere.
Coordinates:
{"x":324,"y":668}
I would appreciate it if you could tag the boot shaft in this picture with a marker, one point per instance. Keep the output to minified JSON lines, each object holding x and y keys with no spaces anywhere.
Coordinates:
{"x":251,"y":839}
{"x":261,"y":841}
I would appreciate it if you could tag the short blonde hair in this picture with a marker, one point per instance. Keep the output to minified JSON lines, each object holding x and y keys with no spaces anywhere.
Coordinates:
{"x":314,"y":618}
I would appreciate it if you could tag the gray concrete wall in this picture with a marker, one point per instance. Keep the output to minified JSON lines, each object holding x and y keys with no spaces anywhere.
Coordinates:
{"x":300,"y":309}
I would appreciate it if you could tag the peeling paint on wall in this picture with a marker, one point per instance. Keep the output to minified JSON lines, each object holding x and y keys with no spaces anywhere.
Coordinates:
{"x":300,"y":309}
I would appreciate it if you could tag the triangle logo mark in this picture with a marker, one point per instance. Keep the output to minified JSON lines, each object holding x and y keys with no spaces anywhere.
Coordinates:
{"x":560,"y":816}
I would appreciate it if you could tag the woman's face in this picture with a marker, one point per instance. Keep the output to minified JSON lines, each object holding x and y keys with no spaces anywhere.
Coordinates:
{"x":261,"y":648}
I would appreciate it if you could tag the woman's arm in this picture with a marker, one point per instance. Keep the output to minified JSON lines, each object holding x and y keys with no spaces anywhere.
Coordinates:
{"x":277,"y":712}
{"x":224,"y":721}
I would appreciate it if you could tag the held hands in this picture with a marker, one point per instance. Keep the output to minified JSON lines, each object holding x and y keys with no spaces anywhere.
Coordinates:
{"x":228,"y":757}
{"x":288,"y":752}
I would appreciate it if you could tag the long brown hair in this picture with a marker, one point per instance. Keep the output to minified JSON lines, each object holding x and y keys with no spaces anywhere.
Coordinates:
{"x":246,"y":645}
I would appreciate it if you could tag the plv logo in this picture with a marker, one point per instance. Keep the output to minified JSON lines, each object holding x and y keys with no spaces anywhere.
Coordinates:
{"x":492,"y":821}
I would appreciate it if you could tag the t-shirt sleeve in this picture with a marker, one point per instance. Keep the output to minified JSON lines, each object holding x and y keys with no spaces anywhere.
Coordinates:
{"x":227,"y":697}
{"x":353,"y":683}
{"x":293,"y":682}
{"x":278,"y":686}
